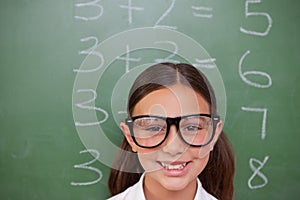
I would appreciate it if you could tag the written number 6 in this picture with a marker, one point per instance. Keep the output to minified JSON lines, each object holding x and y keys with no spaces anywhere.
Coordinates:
{"x":244,"y":75}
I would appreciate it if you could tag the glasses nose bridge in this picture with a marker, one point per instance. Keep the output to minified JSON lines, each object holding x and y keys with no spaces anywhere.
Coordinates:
{"x":173,"y":121}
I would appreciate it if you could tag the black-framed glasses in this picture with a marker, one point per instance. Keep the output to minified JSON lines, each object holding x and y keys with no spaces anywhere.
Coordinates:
{"x":149,"y":131}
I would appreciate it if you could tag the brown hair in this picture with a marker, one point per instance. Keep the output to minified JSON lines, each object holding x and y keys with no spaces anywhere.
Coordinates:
{"x":217,"y":177}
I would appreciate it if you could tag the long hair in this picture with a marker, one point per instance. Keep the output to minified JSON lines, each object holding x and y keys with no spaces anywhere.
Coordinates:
{"x":217,"y":177}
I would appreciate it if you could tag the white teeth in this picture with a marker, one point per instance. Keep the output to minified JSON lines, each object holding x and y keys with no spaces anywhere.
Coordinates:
{"x":168,"y":166}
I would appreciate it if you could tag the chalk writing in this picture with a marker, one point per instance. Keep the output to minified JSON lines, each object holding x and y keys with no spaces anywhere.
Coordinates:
{"x":168,"y":58}
{"x":90,"y":51}
{"x":122,"y":112}
{"x":200,"y":9}
{"x":257,"y":172}
{"x":87,"y":167}
{"x":245,"y":77}
{"x":86,"y":39}
{"x":205,"y":63}
{"x":257,"y":73}
{"x":128,"y":59}
{"x":84,"y":106}
{"x":261,"y":14}
{"x":90,"y":4}
{"x":101,"y":62}
{"x":131,"y":8}
{"x":264,"y":120}
{"x":164,"y":15}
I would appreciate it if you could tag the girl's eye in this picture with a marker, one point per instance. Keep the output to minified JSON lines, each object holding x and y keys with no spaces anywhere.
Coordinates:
{"x":154,"y":128}
{"x":192,"y":128}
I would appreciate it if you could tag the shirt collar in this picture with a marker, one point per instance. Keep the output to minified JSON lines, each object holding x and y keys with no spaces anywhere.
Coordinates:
{"x":200,"y":192}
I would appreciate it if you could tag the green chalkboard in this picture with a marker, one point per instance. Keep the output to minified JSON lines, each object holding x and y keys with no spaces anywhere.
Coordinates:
{"x":62,"y":69}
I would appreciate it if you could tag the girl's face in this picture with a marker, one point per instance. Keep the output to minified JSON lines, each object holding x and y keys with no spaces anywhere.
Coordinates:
{"x":173,"y":165}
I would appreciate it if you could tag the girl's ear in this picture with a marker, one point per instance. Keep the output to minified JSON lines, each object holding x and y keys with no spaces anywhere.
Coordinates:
{"x":126,"y":132}
{"x":218,"y":131}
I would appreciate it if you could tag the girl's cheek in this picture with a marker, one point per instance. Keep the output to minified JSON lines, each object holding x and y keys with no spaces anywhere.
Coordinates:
{"x":148,"y":160}
{"x":202,"y":152}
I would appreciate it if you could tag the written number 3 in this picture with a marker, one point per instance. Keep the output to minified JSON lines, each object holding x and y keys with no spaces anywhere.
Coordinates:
{"x":86,"y":166}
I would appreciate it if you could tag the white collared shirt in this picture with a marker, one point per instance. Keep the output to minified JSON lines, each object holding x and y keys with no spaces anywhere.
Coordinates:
{"x":136,"y":192}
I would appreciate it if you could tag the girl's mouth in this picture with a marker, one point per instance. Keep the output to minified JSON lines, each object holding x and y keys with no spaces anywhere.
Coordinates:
{"x":175,"y":169}
{"x":174,"y":166}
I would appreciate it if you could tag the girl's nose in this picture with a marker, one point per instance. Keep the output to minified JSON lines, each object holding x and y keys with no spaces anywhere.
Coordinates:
{"x":174,"y":144}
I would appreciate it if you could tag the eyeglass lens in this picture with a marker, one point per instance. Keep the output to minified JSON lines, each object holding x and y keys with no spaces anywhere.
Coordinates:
{"x":151,"y":131}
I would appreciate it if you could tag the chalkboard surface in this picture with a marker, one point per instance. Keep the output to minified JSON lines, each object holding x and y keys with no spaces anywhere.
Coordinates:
{"x":44,"y":53}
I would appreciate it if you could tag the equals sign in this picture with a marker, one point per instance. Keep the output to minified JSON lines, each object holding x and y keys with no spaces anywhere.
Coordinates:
{"x":201,"y":9}
{"x":205,"y":63}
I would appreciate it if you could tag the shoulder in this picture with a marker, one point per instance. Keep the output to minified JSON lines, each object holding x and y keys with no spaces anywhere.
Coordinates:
{"x":132,"y":193}
{"x":202,"y":193}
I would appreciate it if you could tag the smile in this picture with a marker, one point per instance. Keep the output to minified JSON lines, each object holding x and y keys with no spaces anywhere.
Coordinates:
{"x":173,"y":166}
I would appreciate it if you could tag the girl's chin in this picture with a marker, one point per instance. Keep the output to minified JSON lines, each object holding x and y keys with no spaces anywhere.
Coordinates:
{"x":174,"y":185}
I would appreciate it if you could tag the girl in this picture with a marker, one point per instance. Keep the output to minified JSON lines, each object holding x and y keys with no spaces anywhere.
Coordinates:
{"x":176,"y":138}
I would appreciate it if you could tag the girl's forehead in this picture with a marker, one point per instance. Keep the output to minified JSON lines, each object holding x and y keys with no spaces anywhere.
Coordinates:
{"x":172,"y":101}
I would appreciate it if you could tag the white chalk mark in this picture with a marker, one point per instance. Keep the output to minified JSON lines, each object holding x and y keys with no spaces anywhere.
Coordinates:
{"x":90,"y":4}
{"x":244,"y":75}
{"x":257,"y":172}
{"x":201,"y":9}
{"x":101,"y":59}
{"x":173,"y":54}
{"x":163,"y":16}
{"x":84,"y":105}
{"x":128,"y":59}
{"x":86,"y":39}
{"x":264,"y":120}
{"x":262,"y":14}
{"x":131,"y":8}
{"x":122,"y":112}
{"x":86,"y":166}
{"x":205,"y":63}
{"x":90,"y":51}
